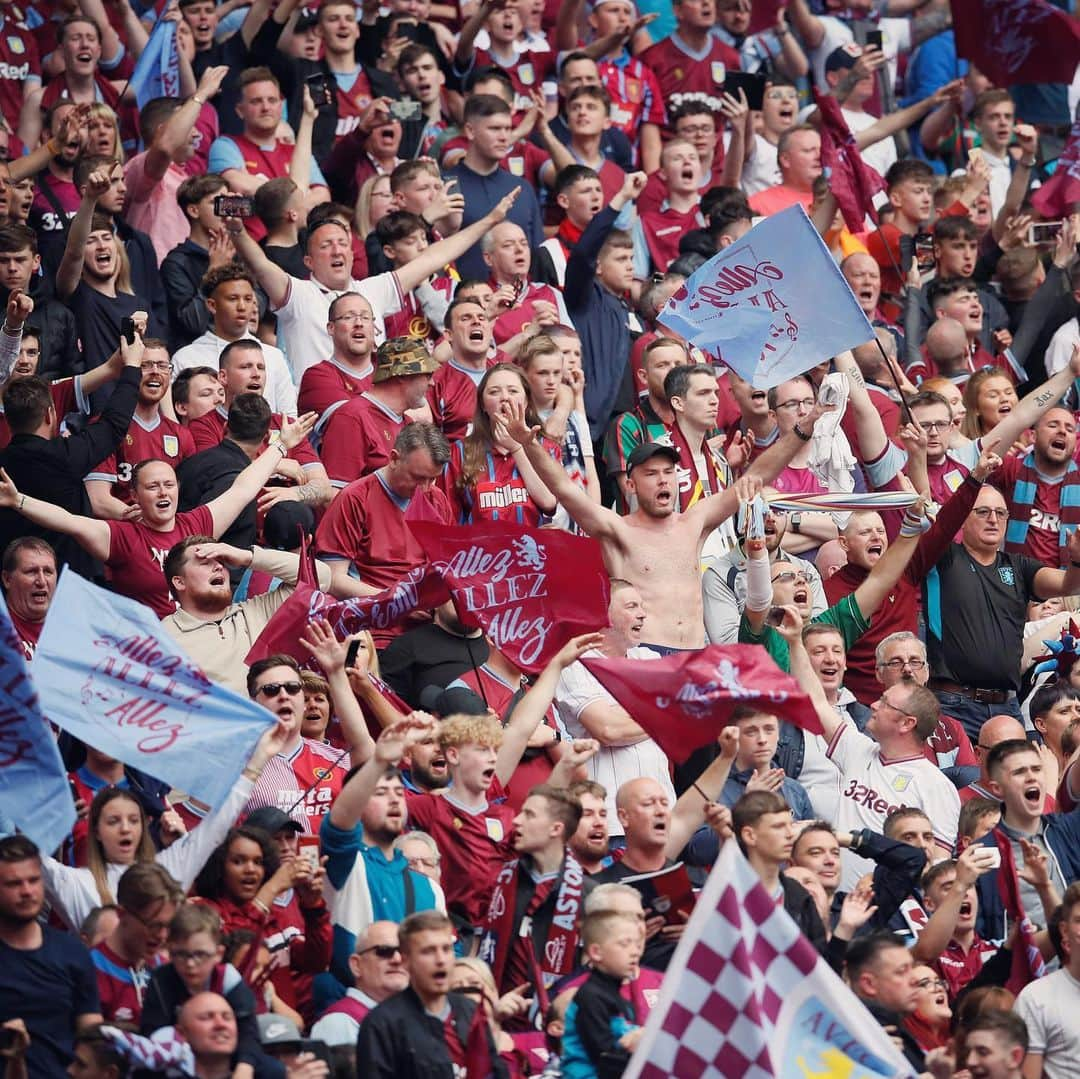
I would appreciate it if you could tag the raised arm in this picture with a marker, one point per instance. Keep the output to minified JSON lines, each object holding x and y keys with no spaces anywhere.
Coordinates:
{"x":902,"y":119}
{"x":245,"y":488}
{"x":463,"y":56}
{"x":799,"y":664}
{"x":92,"y":535}
{"x":435,"y":257}
{"x":598,"y":521}
{"x":272,"y":279}
{"x":869,"y":429}
{"x":174,"y":135}
{"x":71,"y":265}
{"x":1027,"y":412}
{"x":300,"y":165}
{"x":807,"y":25}
{"x":938,"y":931}
{"x":689,"y":812}
{"x":531,"y":709}
{"x":889,"y":568}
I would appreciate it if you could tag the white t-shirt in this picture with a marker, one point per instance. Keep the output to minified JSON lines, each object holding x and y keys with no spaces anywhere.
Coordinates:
{"x":1000,"y":178}
{"x":761,"y":169}
{"x":1061,"y":345}
{"x":871,"y":788}
{"x":613,"y":765}
{"x":1050,"y":1006}
{"x":205,"y":351}
{"x":881,"y":156}
{"x":896,"y":38}
{"x":303,"y":316}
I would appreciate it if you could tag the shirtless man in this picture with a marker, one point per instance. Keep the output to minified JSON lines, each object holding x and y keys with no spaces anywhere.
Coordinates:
{"x":657,"y":548}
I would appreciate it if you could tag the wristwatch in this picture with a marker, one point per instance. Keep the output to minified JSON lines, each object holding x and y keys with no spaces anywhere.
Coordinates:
{"x":795,"y":521}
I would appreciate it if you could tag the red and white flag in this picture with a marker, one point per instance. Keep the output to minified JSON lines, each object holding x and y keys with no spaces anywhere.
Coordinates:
{"x":530,"y":589}
{"x":746,"y":996}
{"x":683,"y":701}
{"x":852,"y":181}
{"x":1061,"y":193}
{"x":1013,"y":41}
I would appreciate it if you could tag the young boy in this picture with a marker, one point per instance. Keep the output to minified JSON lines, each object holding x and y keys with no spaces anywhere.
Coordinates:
{"x":601,"y":1028}
{"x":956,"y":298}
{"x":657,"y":232}
{"x":403,"y":236}
{"x":580,"y":195}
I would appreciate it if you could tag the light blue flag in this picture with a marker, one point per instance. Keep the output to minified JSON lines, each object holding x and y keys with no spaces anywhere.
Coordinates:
{"x":110,"y":675}
{"x":157,"y":71}
{"x":34,"y":791}
{"x":772,"y":305}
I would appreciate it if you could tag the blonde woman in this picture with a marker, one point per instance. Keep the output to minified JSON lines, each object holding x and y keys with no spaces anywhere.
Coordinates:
{"x":372,"y":204}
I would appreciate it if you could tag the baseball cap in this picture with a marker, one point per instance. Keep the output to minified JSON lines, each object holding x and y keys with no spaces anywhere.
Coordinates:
{"x":278,"y":1031}
{"x":273,"y":820}
{"x":400,"y":357}
{"x":457,"y":700}
{"x":843,"y":57}
{"x":640,"y":454}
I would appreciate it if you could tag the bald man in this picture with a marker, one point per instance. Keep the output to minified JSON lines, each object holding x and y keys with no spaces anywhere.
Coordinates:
{"x":207,"y":1023}
{"x":996,"y":729}
{"x":947,"y":347}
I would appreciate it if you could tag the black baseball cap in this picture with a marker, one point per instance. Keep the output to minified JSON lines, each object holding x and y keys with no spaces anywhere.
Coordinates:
{"x":647,"y":452}
{"x":273,"y":820}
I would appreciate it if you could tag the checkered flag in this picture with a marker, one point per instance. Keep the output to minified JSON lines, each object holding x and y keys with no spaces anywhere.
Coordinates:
{"x":746,"y":996}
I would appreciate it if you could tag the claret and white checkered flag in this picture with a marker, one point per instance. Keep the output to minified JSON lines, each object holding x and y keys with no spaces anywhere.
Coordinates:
{"x":746,"y":996}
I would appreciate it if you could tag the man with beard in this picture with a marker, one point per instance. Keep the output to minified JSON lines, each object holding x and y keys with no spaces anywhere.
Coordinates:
{"x":367,"y":879}
{"x":1042,"y":491}
{"x":531,"y":926}
{"x":591,"y":842}
{"x":655,"y":548}
{"x":57,"y":198}
{"x":432,"y":655}
{"x":151,"y":435}
{"x":588,"y":710}
{"x":49,"y":981}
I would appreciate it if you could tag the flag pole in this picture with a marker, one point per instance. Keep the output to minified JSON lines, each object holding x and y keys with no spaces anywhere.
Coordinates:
{"x":909,"y":418}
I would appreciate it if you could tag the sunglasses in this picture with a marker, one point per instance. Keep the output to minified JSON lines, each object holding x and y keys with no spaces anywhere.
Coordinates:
{"x":382,"y":951}
{"x":272,"y":689}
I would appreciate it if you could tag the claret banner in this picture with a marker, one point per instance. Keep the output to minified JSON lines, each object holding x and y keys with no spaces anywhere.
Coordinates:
{"x":772,"y":305}
{"x":529,"y":589}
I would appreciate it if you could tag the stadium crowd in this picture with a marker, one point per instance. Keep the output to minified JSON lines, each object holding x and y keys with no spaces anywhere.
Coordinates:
{"x":373,"y":265}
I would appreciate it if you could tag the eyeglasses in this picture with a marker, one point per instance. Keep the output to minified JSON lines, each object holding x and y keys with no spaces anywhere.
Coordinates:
{"x":930,"y":426}
{"x":986,"y":512}
{"x":382,"y":951}
{"x":272,"y":689}
{"x":790,"y":406}
{"x":931,"y":983}
{"x":889,"y":704}
{"x":150,"y":927}
{"x":190,"y":957}
{"x":697,"y":129}
{"x":788,"y":577}
{"x":353,"y":316}
{"x":900,"y":664}
{"x":780,"y":95}
{"x":155,"y":365}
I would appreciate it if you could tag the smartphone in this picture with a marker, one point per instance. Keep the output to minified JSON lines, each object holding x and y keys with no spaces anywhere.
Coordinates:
{"x":407,"y":28}
{"x":775,"y":616}
{"x":307,"y":848}
{"x":752,"y":84}
{"x":875,"y":39}
{"x":1044,"y":232}
{"x":353,"y":652}
{"x":233,"y":206}
{"x":127,"y":332}
{"x":322,"y":93}
{"x":74,"y":790}
{"x":404,"y":110}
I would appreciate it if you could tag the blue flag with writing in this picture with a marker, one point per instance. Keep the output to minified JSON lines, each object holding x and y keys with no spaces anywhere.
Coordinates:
{"x":110,"y":675}
{"x":34,"y":791}
{"x":772,"y":305}
{"x":157,"y":71}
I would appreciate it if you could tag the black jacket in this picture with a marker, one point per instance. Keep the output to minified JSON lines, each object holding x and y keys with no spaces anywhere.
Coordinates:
{"x":57,"y":333}
{"x":145,"y":275}
{"x":182,"y":269}
{"x":400,"y":1040}
{"x":53,"y":470}
{"x":595,"y":1021}
{"x":910,"y":1047}
{"x":211,"y":473}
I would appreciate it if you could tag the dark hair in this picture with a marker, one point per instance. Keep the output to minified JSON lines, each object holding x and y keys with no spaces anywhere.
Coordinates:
{"x":17,"y":848}
{"x":92,"y":163}
{"x":751,"y":807}
{"x":424,"y":921}
{"x":573,"y":58}
{"x":181,"y":387}
{"x":812,"y":826}
{"x":597,"y":93}
{"x":864,"y":952}
{"x":144,"y":883}
{"x":481,"y":106}
{"x":271,"y":199}
{"x":398,"y":225}
{"x":234,"y":270}
{"x":928,"y":397}
{"x":195,"y":188}
{"x":240,"y":938}
{"x":562,"y":806}
{"x":490,"y":73}
{"x":690,"y":106}
{"x":903,"y":813}
{"x":17,"y":238}
{"x":423,"y":436}
{"x":938,"y":869}
{"x":988,"y":98}
{"x":278,"y":659}
{"x":249,"y":418}
{"x":573,"y":174}
{"x":1045,"y":697}
{"x":26,"y":402}
{"x":943,"y":287}
{"x":1009,"y":1025}
{"x":244,"y":344}
{"x":256,"y":74}
{"x":71,"y":20}
{"x":210,"y":883}
{"x":105,"y":1053}
{"x":908,"y":168}
{"x":955,"y":228}
{"x":24,"y":543}
{"x":461,"y":301}
{"x":411,"y":54}
{"x":1011,"y":747}
{"x":173,"y":565}
{"x":677,"y":380}
{"x":972,"y":811}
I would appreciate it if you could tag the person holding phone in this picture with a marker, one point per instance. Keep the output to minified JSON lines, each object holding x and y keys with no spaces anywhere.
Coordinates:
{"x":774,"y":49}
